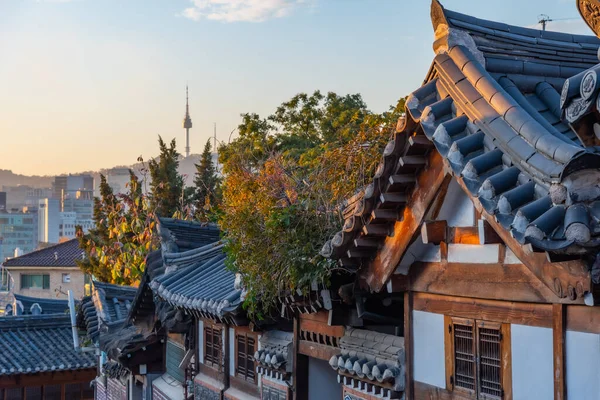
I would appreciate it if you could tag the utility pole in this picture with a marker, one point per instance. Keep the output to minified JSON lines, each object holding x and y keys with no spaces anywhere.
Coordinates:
{"x":544,"y":19}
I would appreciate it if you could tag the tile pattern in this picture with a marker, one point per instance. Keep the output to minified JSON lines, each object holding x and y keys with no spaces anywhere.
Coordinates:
{"x":39,"y":343}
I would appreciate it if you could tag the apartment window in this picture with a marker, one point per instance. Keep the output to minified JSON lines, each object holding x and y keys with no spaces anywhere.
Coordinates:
{"x":244,"y":365}
{"x":212,"y":346}
{"x":66,"y":278}
{"x":477,"y":350}
{"x":35,"y":281}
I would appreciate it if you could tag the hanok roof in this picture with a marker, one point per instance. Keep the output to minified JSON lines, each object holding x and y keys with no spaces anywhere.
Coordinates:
{"x":34,"y":305}
{"x":198,"y":280}
{"x":60,"y":255}
{"x":39,"y":343}
{"x":188,"y":235}
{"x":107,"y":307}
{"x":372,"y":356}
{"x":490,"y":105}
{"x":187,"y":274}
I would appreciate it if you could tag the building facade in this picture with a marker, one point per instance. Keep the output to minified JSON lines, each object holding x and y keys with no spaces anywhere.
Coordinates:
{"x":18,"y":230}
{"x":48,"y":220}
{"x":48,"y":273}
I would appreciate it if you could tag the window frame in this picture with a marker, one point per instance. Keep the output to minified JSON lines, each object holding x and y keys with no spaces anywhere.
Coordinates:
{"x":504,"y":357}
{"x":45,"y":281}
{"x":249,"y":358}
{"x":209,"y":360}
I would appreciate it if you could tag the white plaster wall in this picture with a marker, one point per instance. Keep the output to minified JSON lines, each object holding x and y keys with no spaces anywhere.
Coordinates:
{"x":582,"y":365}
{"x":322,"y":381}
{"x":418,"y":251}
{"x":232,"y":355}
{"x":510,"y":257}
{"x":532,"y":362}
{"x":457,"y":208}
{"x":201,"y":341}
{"x":469,"y":253}
{"x":428,"y":341}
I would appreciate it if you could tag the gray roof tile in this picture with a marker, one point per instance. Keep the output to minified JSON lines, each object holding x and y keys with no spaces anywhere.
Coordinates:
{"x":39,"y":343}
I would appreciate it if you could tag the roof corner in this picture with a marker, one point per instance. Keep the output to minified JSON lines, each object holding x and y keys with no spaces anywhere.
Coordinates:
{"x":438,"y":15}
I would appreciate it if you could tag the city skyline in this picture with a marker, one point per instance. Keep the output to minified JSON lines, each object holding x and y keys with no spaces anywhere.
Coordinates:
{"x":90,"y":85}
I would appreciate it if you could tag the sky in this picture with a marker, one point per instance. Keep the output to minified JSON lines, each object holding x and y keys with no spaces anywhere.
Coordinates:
{"x":90,"y":84}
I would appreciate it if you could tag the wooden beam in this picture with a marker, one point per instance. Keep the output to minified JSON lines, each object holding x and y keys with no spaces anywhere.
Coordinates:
{"x":507,"y":312}
{"x":423,"y":391}
{"x":323,"y":329}
{"x":408,"y":345}
{"x":48,"y":378}
{"x":583,"y":319}
{"x":434,"y":231}
{"x":463,"y":235}
{"x":317,"y":350}
{"x":558,"y":334}
{"x":558,"y":276}
{"x":483,"y":281}
{"x":487,"y":234}
{"x":429,"y":181}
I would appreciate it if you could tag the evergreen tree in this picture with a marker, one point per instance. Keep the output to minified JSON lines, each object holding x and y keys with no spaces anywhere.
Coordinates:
{"x":167,"y":191}
{"x":206,"y":183}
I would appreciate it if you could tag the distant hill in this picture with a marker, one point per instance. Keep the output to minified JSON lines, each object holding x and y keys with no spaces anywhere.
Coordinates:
{"x":187,"y":167}
{"x":9,"y":178}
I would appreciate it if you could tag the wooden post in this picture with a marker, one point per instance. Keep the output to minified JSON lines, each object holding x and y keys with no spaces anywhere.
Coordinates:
{"x":62,"y":391}
{"x":558,"y":330}
{"x":300,"y":374}
{"x":408,"y":345}
{"x":226,"y":355}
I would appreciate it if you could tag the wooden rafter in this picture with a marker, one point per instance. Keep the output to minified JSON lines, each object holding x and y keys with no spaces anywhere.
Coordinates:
{"x":434,"y":177}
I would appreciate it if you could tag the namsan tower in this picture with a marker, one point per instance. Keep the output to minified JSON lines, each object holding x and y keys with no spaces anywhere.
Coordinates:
{"x":187,"y":123}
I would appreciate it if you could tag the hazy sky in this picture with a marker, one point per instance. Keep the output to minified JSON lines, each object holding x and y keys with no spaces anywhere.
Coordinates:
{"x":89,"y":84}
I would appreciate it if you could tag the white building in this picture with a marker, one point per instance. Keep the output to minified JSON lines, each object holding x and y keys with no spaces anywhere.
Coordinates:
{"x":48,"y":220}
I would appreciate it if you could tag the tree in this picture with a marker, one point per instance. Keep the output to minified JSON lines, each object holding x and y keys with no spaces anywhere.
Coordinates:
{"x":285,"y":177}
{"x":168,"y":197}
{"x":117,"y":247}
{"x":206,"y":184}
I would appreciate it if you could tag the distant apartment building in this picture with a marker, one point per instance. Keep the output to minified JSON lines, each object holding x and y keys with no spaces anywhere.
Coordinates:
{"x":66,"y":227}
{"x":18,"y":230}
{"x":68,"y":185}
{"x":21,"y":196}
{"x":48,"y":220}
{"x":118,"y":178}
{"x":48,"y":273}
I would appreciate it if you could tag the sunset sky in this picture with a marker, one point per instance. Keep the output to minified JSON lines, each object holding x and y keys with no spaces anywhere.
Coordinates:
{"x":89,"y":84}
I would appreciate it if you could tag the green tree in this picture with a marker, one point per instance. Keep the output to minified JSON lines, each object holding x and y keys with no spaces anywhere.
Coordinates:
{"x":206,"y":183}
{"x":168,"y":197}
{"x":285,"y":177}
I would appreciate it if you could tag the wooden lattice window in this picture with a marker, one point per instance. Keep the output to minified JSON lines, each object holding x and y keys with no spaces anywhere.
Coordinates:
{"x":245,"y":348}
{"x":475,"y":351}
{"x":213,"y":345}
